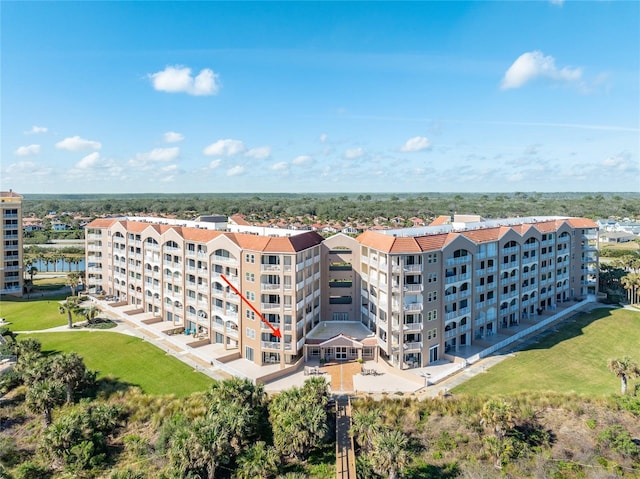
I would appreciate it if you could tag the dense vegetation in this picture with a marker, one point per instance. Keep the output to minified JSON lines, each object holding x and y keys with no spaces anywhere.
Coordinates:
{"x":58,"y":421}
{"x":360,"y":207}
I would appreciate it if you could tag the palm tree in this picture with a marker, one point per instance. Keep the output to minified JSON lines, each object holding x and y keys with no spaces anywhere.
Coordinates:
{"x":90,"y":313}
{"x":498,"y":416}
{"x":258,"y":462}
{"x":631,"y":282}
{"x":625,"y":369}
{"x":389,"y":454}
{"x":365,"y":425}
{"x":68,"y":369}
{"x":73,"y":280}
{"x":71,"y":308}
{"x":43,"y":396}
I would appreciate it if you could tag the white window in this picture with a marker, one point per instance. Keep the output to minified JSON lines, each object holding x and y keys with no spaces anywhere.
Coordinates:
{"x":251,"y":333}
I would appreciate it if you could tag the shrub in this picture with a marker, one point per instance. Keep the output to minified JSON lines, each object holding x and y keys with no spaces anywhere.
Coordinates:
{"x":618,"y":439}
{"x":32,"y":470}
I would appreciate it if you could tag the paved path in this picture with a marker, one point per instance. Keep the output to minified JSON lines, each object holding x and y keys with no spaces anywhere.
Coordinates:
{"x":345,"y":456}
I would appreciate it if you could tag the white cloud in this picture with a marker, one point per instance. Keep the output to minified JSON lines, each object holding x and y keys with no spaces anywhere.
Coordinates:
{"x":353,"y":153}
{"x":93,"y":165}
{"x":214,"y":164}
{"x":282,"y":165}
{"x":620,"y":162}
{"x":75,"y":143}
{"x":417,"y":143}
{"x":148,"y":159}
{"x":226,"y":147}
{"x":28,"y":150}
{"x":28,"y":168}
{"x":535,"y":64}
{"x":323,"y":138}
{"x":89,"y":161}
{"x":176,"y":79}
{"x":173,"y":137}
{"x":169,"y":168}
{"x":301,"y":160}
{"x":36,"y":129}
{"x":259,"y":153}
{"x":235,"y":171}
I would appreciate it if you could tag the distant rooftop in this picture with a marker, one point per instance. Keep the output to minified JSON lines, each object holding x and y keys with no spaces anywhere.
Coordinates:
{"x":459,"y":223}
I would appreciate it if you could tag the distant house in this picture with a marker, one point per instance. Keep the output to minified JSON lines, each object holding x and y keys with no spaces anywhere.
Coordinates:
{"x":632,"y":227}
{"x":59,"y":226}
{"x":617,"y":237}
{"x":350,"y":230}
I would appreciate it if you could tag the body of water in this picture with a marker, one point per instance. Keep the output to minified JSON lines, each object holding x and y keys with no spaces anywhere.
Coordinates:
{"x":59,"y":265}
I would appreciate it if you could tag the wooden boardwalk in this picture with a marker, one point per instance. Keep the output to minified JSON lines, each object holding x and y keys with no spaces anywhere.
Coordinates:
{"x":345,"y":456}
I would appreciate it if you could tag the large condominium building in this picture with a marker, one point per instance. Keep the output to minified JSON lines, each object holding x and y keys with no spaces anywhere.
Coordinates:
{"x":411,"y":296}
{"x":11,"y":276}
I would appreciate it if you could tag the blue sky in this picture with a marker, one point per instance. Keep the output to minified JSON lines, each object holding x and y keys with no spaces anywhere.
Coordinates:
{"x":138,"y":97}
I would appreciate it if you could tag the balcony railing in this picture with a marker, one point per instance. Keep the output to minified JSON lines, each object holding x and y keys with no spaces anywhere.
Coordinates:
{"x":415,"y":346}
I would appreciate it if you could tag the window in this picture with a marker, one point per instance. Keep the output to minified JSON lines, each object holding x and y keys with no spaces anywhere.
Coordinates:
{"x":432,"y":315}
{"x":249,"y":258}
{"x":251,"y":333}
{"x":432,"y":258}
{"x":251,"y":296}
{"x":251,"y":315}
{"x":432,"y":277}
{"x":432,"y":334}
{"x":248,"y":353}
{"x":251,"y":277}
{"x":432,"y":296}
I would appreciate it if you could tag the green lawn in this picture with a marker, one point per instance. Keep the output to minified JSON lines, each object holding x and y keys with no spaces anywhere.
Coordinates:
{"x":573,"y":359}
{"x":127,"y":359}
{"x":32,"y":314}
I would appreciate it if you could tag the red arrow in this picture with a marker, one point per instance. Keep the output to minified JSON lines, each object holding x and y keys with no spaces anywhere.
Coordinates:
{"x":274,"y":331}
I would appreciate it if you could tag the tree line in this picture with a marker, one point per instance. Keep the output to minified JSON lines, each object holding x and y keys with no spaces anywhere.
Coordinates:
{"x":343,"y":207}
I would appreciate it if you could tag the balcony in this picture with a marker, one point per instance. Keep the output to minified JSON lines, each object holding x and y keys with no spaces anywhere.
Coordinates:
{"x":273,"y":346}
{"x":271,"y":267}
{"x":270,"y":286}
{"x":454,"y":314}
{"x":457,"y":278}
{"x":270,"y":306}
{"x":412,"y":326}
{"x":412,"y":307}
{"x":224,"y":259}
{"x":416,"y":346}
{"x":456,"y":261}
{"x":412,"y":288}
{"x":509,"y":265}
{"x":412,"y":268}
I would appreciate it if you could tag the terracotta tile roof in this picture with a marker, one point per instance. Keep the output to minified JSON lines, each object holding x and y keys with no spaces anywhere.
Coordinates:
{"x":441,"y":220}
{"x":377,"y":241}
{"x":10,"y":194}
{"x":482,"y":235}
{"x":431,"y":243}
{"x":449,"y":237}
{"x":101,"y":223}
{"x":582,"y":223}
{"x":239,"y":220}
{"x":546,"y":226}
{"x":405,"y":245}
